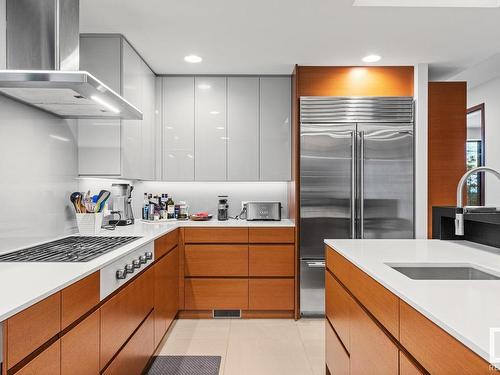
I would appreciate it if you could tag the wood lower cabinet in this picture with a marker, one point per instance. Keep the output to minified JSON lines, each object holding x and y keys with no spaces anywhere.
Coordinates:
{"x":371,"y":350}
{"x":407,"y":367}
{"x":122,"y":314}
{"x":79,"y":298}
{"x":135,"y":355}
{"x":215,"y":235}
{"x":216,"y":260}
{"x":337,"y":358}
{"x":212,"y":294}
{"x":271,"y":294}
{"x":338,"y":308}
{"x":31,"y":328}
{"x":271,"y":260}
{"x":166,"y":298}
{"x":271,"y":235}
{"x":166,"y":243}
{"x":80,"y":347}
{"x":46,"y":363}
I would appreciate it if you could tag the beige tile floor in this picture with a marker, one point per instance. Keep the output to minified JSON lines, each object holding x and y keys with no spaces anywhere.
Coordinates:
{"x":253,"y":346}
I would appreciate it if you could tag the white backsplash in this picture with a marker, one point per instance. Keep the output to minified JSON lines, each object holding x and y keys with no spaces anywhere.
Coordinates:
{"x":200,"y":196}
{"x":38,"y":167}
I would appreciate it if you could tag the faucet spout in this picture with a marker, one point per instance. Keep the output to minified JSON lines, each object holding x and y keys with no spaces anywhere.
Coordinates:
{"x":459,"y":213}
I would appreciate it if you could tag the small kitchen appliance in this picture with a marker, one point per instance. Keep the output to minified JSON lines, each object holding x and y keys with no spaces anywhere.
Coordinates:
{"x":122,"y":203}
{"x":223,"y":208}
{"x":265,"y":211}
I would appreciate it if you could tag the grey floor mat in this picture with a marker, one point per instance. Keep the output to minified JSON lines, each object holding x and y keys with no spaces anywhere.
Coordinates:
{"x":185,"y":365}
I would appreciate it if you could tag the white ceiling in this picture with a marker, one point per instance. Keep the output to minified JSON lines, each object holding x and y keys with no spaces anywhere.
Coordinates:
{"x":270,"y":36}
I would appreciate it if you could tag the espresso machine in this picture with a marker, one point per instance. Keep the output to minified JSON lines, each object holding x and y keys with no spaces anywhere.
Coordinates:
{"x":121,"y":201}
{"x":223,"y":208}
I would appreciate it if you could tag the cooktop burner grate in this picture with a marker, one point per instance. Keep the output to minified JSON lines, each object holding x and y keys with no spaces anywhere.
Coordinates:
{"x":69,"y":249}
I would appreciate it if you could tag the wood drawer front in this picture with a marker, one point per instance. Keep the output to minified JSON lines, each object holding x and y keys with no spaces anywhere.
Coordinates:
{"x":271,"y":235}
{"x":371,"y":351}
{"x":406,"y":367}
{"x":338,"y":265}
{"x":271,"y":260}
{"x":216,"y":260}
{"x":46,"y":363}
{"x":380,"y":302}
{"x":215,"y":235}
{"x":134,"y":356}
{"x":79,"y":298}
{"x":434,"y":349}
{"x":337,"y":358}
{"x":32,"y":327}
{"x":80,"y":348}
{"x":123,"y":313}
{"x":271,"y":294}
{"x":210,"y":294}
{"x":166,"y":243}
{"x":338,"y":308}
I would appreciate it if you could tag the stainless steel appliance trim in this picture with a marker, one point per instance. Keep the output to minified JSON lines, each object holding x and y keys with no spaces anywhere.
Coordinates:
{"x":316,"y":263}
{"x":362,"y":184}
{"x":353,"y":183}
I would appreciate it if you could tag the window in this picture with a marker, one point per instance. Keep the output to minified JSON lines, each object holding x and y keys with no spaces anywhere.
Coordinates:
{"x":475,"y":154}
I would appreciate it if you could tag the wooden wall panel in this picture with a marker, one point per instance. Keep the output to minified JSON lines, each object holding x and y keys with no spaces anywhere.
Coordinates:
{"x":446,"y":143}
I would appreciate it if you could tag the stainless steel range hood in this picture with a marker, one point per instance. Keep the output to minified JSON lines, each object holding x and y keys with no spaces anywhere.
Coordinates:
{"x":43,"y":61}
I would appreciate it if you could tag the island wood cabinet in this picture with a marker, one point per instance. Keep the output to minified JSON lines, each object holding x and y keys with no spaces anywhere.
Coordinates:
{"x":370,"y":330}
{"x":248,"y":269}
{"x":72,"y":332}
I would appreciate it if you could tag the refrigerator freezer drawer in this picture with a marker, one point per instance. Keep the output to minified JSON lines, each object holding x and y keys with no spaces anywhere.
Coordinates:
{"x":312,"y":288}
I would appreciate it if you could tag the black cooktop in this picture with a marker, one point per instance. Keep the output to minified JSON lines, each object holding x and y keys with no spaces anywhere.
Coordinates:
{"x":69,"y":249}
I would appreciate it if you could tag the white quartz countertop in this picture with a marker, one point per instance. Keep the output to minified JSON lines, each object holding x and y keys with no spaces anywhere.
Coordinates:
{"x":24,"y":284}
{"x":466,"y":309}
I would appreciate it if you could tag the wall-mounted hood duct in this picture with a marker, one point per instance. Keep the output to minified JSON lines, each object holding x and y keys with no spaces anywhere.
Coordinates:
{"x":43,"y":41}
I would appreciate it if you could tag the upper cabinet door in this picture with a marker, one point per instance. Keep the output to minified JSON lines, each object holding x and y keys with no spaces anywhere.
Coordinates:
{"x":210,"y":130}
{"x":100,"y":155}
{"x":148,"y":168}
{"x":243,"y":128}
{"x":131,"y":129}
{"x":178,"y":129}
{"x":275,"y":128}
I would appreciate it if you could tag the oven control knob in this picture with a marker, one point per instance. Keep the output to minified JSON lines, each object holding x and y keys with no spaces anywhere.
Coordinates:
{"x":121,"y":274}
{"x":129,"y":268}
{"x":142,"y":259}
{"x":149,"y":255}
{"x":136,"y":263}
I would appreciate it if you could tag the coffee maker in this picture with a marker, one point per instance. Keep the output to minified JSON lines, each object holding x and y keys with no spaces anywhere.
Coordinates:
{"x":223,"y":208}
{"x":121,"y":201}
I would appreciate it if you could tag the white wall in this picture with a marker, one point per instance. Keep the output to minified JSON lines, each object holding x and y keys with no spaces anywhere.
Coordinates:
{"x":201,"y":196}
{"x":38,"y":166}
{"x":421,"y":92}
{"x":489,"y":94}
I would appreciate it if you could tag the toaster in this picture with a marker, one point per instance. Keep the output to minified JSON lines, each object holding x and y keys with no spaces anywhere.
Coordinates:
{"x":263,"y":211}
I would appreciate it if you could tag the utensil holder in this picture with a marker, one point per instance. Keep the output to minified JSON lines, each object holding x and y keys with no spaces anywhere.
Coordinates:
{"x":89,"y":224}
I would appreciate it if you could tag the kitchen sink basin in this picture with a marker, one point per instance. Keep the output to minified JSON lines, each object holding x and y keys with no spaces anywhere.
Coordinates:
{"x":436,"y":271}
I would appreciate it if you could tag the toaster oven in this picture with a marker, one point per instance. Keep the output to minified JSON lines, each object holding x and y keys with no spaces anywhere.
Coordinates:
{"x":263,"y":211}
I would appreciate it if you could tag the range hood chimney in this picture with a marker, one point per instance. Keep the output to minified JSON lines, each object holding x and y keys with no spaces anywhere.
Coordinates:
{"x":43,"y":40}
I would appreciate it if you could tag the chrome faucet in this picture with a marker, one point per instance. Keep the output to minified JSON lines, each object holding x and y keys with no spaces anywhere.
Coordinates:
{"x":459,"y":213}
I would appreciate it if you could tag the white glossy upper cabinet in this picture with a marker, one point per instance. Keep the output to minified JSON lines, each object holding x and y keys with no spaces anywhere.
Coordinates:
{"x":178,"y":128}
{"x":99,"y":144}
{"x":132,"y":73}
{"x":148,"y":169}
{"x":243,"y":128}
{"x":275,"y":128}
{"x":210,"y":130}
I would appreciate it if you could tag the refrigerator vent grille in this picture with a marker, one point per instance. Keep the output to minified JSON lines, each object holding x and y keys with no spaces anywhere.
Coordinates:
{"x":328,"y":109}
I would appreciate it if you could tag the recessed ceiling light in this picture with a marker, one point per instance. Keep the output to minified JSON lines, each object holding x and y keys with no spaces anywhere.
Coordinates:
{"x":429,"y":3}
{"x":204,"y":86}
{"x":193,"y":59}
{"x":371,"y":58}
{"x":214,"y":112}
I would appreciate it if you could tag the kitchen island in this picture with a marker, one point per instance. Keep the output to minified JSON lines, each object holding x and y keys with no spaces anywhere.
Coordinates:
{"x":425,"y":324}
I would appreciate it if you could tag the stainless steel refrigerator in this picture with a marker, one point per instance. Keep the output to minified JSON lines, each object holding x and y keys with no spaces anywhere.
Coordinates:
{"x":356,"y":179}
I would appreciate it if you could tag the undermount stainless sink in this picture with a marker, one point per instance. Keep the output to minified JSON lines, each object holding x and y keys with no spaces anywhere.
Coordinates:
{"x":437,"y":271}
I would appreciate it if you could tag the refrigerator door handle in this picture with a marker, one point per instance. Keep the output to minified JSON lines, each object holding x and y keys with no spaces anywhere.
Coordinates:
{"x":362,"y":184}
{"x":353,"y":183}
{"x":316,"y":264}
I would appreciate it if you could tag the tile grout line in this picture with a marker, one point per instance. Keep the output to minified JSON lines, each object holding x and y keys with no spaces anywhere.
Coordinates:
{"x":311,"y":368}
{"x":227,"y":347}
